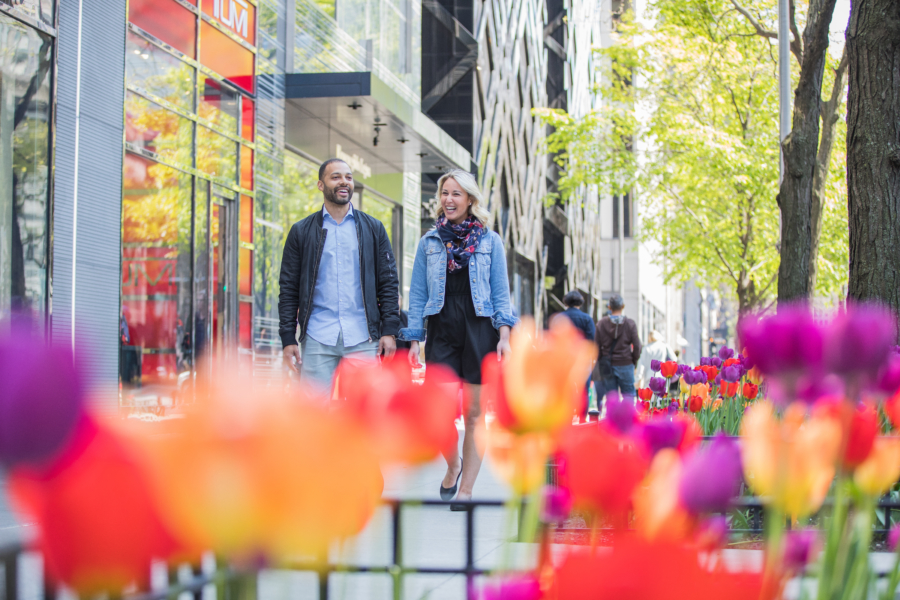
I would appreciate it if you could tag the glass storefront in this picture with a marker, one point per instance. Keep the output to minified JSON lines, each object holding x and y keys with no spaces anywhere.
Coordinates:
{"x":188,"y":199}
{"x":26,"y":107}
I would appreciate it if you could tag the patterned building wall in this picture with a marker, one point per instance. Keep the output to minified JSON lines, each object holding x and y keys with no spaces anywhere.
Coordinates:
{"x":510,"y":81}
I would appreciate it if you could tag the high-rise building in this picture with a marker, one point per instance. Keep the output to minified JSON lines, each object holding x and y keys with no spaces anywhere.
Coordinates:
{"x":155,"y":153}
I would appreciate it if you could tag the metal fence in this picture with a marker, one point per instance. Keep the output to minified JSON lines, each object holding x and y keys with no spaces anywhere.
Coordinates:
{"x":236,"y":584}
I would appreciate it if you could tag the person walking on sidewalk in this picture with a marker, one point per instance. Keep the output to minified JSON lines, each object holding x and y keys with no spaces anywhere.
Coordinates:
{"x":459,"y":283}
{"x":619,"y":349}
{"x":574,"y":301}
{"x":337,"y":265}
{"x":656,"y":349}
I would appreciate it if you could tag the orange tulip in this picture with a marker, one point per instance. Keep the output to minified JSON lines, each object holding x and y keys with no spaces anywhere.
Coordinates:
{"x":750,"y":391}
{"x":541,"y":385}
{"x":99,"y":526}
{"x":881,"y":469}
{"x":408,"y":422}
{"x":702,"y":390}
{"x":729,"y":389}
{"x":790,"y":462}
{"x":252,"y":470}
{"x":658,"y":512}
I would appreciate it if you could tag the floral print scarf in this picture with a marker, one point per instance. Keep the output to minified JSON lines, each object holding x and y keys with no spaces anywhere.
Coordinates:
{"x":460,"y":240}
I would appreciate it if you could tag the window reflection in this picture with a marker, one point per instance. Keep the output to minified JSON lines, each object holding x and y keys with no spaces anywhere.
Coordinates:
{"x":158,"y":72}
{"x":219,"y":105}
{"x":168,"y":21}
{"x":150,"y":126}
{"x":156,"y":348}
{"x":216,"y":154}
{"x":39,"y":10}
{"x":25,"y":105}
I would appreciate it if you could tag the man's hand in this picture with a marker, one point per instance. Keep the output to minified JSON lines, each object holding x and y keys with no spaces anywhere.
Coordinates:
{"x":291,"y":356}
{"x":387,"y":345}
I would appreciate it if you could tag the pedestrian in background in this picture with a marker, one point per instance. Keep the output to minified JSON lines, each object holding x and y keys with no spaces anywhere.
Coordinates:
{"x":656,"y":349}
{"x":574,"y":301}
{"x":619,"y":348}
{"x":337,"y":263}
{"x":459,"y":283}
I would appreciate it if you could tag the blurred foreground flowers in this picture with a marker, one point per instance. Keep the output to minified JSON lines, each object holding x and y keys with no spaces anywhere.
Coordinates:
{"x":260,"y":473}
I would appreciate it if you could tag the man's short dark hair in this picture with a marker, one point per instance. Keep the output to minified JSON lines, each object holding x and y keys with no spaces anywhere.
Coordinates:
{"x":328,"y":162}
{"x":573,"y":299}
{"x":616,"y":302}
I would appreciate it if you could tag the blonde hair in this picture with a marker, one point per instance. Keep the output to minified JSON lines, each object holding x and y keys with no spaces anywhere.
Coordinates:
{"x":467,"y":182}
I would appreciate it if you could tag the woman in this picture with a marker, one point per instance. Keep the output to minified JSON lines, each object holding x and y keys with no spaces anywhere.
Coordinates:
{"x":459,"y":283}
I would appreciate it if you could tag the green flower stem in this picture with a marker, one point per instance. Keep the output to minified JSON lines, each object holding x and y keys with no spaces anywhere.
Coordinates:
{"x":774,"y":527}
{"x":891,"y":590}
{"x":833,"y":542}
{"x":858,"y":577}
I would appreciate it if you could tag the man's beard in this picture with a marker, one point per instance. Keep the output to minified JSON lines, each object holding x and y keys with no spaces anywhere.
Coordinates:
{"x":332,"y":196}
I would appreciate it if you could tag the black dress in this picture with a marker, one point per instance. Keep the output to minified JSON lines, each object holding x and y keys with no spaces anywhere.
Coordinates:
{"x":457,"y":337}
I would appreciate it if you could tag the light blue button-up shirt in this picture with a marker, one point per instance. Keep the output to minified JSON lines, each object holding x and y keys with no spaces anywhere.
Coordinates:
{"x":337,"y":300}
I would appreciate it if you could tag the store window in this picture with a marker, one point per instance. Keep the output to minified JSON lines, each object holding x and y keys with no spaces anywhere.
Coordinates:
{"x":155,"y":329}
{"x":26,"y":59}
{"x":188,"y":255}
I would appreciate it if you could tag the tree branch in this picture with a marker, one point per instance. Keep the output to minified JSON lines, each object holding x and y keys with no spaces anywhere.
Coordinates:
{"x":796,"y":43}
{"x":760,"y":30}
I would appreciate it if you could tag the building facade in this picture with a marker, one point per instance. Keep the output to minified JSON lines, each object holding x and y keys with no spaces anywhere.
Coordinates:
{"x":155,"y":153}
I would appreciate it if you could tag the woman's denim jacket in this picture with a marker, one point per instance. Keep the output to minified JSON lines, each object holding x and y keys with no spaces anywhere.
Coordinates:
{"x":487,"y":278}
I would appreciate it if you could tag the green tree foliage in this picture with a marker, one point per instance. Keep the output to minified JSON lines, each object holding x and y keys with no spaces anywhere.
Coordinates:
{"x":688,"y":119}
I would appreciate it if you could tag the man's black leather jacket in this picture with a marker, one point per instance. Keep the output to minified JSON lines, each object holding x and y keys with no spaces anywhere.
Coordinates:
{"x":300,"y":268}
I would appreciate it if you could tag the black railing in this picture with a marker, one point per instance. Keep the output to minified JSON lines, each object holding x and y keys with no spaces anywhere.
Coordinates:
{"x":235,"y":581}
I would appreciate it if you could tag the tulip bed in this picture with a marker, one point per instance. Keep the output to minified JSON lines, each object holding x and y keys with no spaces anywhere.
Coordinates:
{"x":799,"y":417}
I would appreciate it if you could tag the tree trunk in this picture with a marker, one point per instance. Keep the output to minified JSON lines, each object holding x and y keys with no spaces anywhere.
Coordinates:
{"x":873,"y":150}
{"x":800,"y":149}
{"x":823,"y":165}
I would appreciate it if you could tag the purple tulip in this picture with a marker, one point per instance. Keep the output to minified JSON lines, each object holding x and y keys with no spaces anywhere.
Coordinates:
{"x":889,"y":377}
{"x":809,"y":388}
{"x":731,"y":374}
{"x":711,"y":476}
{"x":859,"y":340}
{"x":725,"y":353}
{"x":662,"y":433}
{"x":557,"y":504}
{"x":893,"y":537}
{"x":798,"y":549}
{"x":522,"y":586}
{"x":715,"y":361}
{"x":654,"y":366}
{"x":621,"y":412}
{"x":718,"y":379}
{"x":42,"y":400}
{"x":658,"y":386}
{"x":745,"y":362}
{"x":786,"y":342}
{"x":688,"y":377}
{"x":701,"y":376}
{"x":673,"y":407}
{"x":704,"y":361}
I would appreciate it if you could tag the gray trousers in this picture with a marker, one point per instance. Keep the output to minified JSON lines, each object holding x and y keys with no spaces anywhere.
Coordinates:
{"x":321,"y":361}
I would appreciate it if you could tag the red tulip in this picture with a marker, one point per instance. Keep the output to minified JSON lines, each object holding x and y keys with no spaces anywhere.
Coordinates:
{"x":668,"y":368}
{"x":99,"y":525}
{"x":408,"y":422}
{"x":892,"y":409}
{"x":602,"y":469}
{"x":710,"y":371}
{"x":750,"y":391}
{"x":730,"y":361}
{"x":695,"y":404}
{"x":676,"y":574}
{"x":861,"y":436}
{"x":645,"y":393}
{"x":729,"y":389}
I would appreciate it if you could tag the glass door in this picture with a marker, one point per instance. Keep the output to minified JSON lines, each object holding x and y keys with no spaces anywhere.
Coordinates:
{"x":223,"y":271}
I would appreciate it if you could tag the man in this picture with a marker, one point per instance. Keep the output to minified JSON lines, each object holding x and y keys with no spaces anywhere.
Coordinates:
{"x":336,"y":268}
{"x":617,"y":339}
{"x":656,"y":349}
{"x":574,"y":301}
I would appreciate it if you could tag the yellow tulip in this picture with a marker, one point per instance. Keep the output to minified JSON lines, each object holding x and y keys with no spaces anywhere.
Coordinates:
{"x":881,"y":469}
{"x":544,"y":376}
{"x":791,"y":462}
{"x":684,"y":387}
{"x":519,"y":460}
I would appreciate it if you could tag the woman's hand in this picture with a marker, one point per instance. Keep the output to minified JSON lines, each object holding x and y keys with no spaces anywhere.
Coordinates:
{"x":503,"y":348}
{"x":414,"y":354}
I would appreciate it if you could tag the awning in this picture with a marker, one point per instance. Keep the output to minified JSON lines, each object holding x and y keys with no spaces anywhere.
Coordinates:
{"x":360,"y":118}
